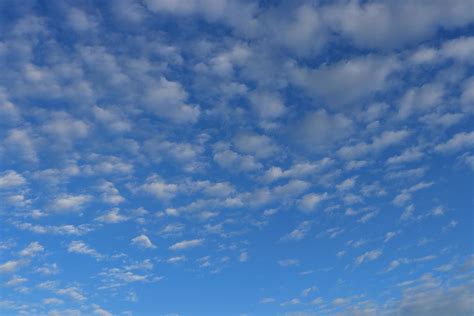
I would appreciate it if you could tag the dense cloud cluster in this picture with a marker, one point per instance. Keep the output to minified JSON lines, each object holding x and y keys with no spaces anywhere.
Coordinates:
{"x":258,"y":158}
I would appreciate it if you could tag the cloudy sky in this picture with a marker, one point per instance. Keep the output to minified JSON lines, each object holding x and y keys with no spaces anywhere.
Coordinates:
{"x":233,"y":157}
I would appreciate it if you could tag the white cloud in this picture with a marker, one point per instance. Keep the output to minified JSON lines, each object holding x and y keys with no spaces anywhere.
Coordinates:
{"x":310,"y":201}
{"x":346,"y":81}
{"x":268,"y":105}
{"x":293,"y":188}
{"x":161,"y":189}
{"x":73,"y":292}
{"x":299,"y":233}
{"x":288,"y":262}
{"x":320,"y":128}
{"x":457,"y":142}
{"x":55,"y":229}
{"x":408,"y":155}
{"x":32,"y":249}
{"x":356,"y":21}
{"x":185,"y":244}
{"x":112,"y":217}
{"x":110,"y":194}
{"x":420,"y":99}
{"x":231,"y":160}
{"x":167,"y":99}
{"x":143,"y":241}
{"x":20,"y":143}
{"x":69,"y":203}
{"x":80,"y":247}
{"x":11,"y":266}
{"x":346,"y":184}
{"x":368,"y":256}
{"x":244,"y":256}
{"x":260,"y":146}
{"x":11,"y":179}
{"x":52,"y":301}
{"x":379,"y":143}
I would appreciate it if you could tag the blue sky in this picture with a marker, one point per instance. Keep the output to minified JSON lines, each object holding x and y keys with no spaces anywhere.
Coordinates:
{"x":224,"y":157}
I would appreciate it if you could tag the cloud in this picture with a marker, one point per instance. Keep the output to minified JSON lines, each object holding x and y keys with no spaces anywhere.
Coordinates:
{"x":259,"y":146}
{"x":379,"y":143}
{"x":69,"y":203}
{"x":11,"y":266}
{"x":356,"y":21}
{"x":231,"y":160}
{"x":73,"y":292}
{"x":268,"y":105}
{"x":21,"y":143}
{"x":408,"y":155}
{"x":11,"y":179}
{"x":310,"y":201}
{"x":167,"y":99}
{"x":112,"y":217}
{"x":321,"y":129}
{"x":160,"y":189}
{"x":55,"y":229}
{"x":110,"y":194}
{"x":420,"y":99}
{"x":345,"y":81}
{"x":143,"y":241}
{"x":298,"y":233}
{"x":32,"y":249}
{"x":185,"y":244}
{"x":78,"y":246}
{"x":368,"y":256}
{"x":288,"y":262}
{"x":457,"y":142}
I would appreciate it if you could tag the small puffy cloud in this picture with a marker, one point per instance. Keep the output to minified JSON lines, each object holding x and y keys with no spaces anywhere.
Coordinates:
{"x":65,"y":128}
{"x":368,"y":256}
{"x":112,"y":217}
{"x":420,"y":99}
{"x":22,"y":144}
{"x":15,"y":280}
{"x":100,"y":311}
{"x":143,"y":241}
{"x":321,"y":129}
{"x":229,"y":159}
{"x":69,"y":203}
{"x":80,"y":247}
{"x":292,"y":188}
{"x":379,"y":143}
{"x":185,"y":244}
{"x":160,"y":189}
{"x":268,"y":105}
{"x":346,"y":81}
{"x":176,"y":259}
{"x":11,"y":179}
{"x":73,"y":292}
{"x":11,"y":266}
{"x":288,"y":262}
{"x":260,"y":146}
{"x":244,"y":256}
{"x":300,"y":232}
{"x":52,"y":301}
{"x":32,"y":249}
{"x":167,"y":99}
{"x":310,"y":201}
{"x":346,"y":184}
{"x":408,"y":155}
{"x":267,"y":300}
{"x":457,"y":142}
{"x":110,"y":194}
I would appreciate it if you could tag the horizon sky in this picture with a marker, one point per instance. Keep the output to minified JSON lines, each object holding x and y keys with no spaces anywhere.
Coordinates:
{"x":233,"y":157}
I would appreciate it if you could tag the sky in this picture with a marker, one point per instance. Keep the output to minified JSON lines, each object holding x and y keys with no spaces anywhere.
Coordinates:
{"x":233,"y":157}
